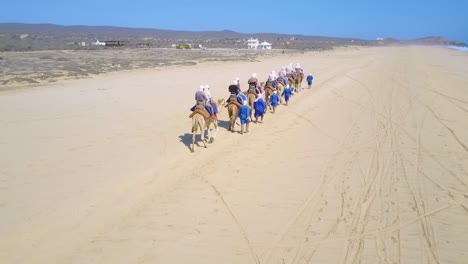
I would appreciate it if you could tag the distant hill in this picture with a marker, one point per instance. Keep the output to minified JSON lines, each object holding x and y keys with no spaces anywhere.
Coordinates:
{"x":437,"y":40}
{"x":19,"y":36}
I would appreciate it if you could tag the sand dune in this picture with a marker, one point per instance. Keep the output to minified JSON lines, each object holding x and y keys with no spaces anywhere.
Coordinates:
{"x":369,"y":166}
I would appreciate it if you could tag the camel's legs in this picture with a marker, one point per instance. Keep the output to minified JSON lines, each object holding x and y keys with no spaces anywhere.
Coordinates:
{"x":193,"y":141}
{"x":233,"y":122}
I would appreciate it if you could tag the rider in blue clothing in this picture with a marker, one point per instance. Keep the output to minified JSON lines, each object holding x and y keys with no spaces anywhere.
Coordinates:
{"x":260,"y":108}
{"x":274,"y":100}
{"x":287,"y":93}
{"x":244,"y":115}
{"x":309,"y":80}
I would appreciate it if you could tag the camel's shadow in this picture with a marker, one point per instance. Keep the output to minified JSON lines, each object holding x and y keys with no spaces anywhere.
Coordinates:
{"x":186,"y":139}
{"x":224,"y":124}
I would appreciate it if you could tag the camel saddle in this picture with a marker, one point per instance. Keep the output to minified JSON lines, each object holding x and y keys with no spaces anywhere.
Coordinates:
{"x":200,"y":109}
{"x":269,"y":87}
{"x":252,"y":91}
{"x":233,"y":100}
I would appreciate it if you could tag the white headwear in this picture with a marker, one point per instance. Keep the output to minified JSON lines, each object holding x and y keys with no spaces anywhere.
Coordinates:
{"x":202,"y":87}
{"x":235,"y":82}
{"x":254,"y":75}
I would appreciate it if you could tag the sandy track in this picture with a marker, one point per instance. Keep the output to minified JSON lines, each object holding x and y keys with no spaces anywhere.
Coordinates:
{"x":371,"y":165}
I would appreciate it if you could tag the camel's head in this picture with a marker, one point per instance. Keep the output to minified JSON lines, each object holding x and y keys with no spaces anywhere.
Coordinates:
{"x":221,"y":102}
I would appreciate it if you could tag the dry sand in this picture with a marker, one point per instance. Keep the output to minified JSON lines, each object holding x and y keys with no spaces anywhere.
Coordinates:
{"x":369,"y":166}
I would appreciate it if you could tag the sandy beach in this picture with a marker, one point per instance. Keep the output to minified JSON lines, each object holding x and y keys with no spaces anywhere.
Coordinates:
{"x":368,"y":166}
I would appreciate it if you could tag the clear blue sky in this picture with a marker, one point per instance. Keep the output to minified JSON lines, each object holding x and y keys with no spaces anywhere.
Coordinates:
{"x":366,"y":19}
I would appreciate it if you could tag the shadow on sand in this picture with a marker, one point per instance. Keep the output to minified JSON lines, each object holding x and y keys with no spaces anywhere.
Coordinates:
{"x":223,"y":124}
{"x":186,"y":139}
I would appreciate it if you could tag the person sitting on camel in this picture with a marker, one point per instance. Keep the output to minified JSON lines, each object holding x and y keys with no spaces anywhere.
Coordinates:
{"x":233,"y":90}
{"x":298,"y":68}
{"x":210,"y":102}
{"x":201,"y":99}
{"x":253,"y":81}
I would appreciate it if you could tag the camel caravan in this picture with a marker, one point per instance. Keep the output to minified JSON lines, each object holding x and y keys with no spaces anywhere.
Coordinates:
{"x":248,"y":106}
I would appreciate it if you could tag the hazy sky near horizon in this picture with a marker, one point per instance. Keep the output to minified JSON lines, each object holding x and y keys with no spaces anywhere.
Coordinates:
{"x":367,"y":19}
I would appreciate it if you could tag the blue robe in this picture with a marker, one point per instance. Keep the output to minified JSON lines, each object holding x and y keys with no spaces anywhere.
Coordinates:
{"x":309,"y":79}
{"x":260,"y":107}
{"x":274,"y":100}
{"x":244,"y":114}
{"x":287,"y":93}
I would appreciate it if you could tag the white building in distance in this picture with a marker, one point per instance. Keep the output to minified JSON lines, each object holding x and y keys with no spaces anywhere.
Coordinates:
{"x":252,"y":43}
{"x":99,"y":43}
{"x":265,"y":45}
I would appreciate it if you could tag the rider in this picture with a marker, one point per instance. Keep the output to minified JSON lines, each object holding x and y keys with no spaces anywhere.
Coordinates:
{"x":253,"y":80}
{"x":200,"y":96}
{"x":210,"y":103}
{"x":234,"y":91}
{"x":298,"y":68}
{"x":272,"y":76}
{"x":201,"y":99}
{"x":282,"y":72}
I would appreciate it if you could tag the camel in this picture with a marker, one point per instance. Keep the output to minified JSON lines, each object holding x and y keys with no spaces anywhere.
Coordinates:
{"x":251,"y":97}
{"x":292,"y":82}
{"x":268,"y":92}
{"x":280,"y":90}
{"x":298,"y":81}
{"x":199,"y":122}
{"x":233,"y":111}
